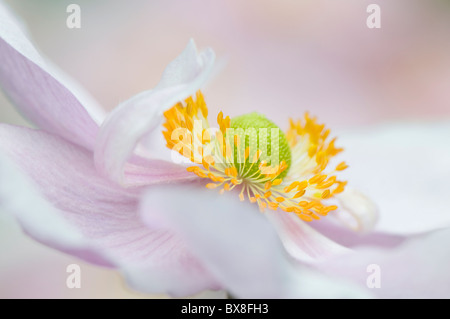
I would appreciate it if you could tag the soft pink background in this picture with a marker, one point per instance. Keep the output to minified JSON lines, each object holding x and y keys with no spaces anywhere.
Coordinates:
{"x":280,"y":58}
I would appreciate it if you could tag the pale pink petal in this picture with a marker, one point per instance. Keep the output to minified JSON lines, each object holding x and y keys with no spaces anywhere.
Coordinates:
{"x":154,"y":172}
{"x":301,"y":241}
{"x":103,"y":214}
{"x":40,"y":92}
{"x":141,"y":117}
{"x":236,"y":243}
{"x":346,"y":237}
{"x":416,"y":269}
{"x":40,"y":219}
{"x":404,"y":169}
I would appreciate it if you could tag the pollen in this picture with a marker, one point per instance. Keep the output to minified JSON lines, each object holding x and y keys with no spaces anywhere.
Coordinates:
{"x":286,"y":172}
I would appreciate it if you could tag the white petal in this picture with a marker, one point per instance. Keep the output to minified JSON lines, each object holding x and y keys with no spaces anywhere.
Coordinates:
{"x":404,"y":169}
{"x":66,"y":204}
{"x":42,"y":220}
{"x":41,"y":92}
{"x":416,"y":269}
{"x":236,"y":243}
{"x":301,"y":241}
{"x":141,"y":117}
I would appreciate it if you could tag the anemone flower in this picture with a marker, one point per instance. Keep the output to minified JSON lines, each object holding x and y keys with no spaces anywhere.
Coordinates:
{"x":91,"y":200}
{"x":106,"y":188}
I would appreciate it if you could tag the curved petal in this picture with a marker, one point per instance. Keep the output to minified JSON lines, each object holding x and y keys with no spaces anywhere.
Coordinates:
{"x":346,"y":237}
{"x":141,"y":117}
{"x":38,"y":217}
{"x":100,"y":213}
{"x":40,"y":92}
{"x":236,"y":244}
{"x":301,"y":241}
{"x":416,"y":269}
{"x":404,"y":169}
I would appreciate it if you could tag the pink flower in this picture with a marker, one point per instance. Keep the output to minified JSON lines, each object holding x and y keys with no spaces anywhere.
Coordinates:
{"x":104,"y":188}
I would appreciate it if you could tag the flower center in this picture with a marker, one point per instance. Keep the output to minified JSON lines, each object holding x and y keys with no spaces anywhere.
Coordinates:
{"x":249,"y":153}
{"x":259,"y":134}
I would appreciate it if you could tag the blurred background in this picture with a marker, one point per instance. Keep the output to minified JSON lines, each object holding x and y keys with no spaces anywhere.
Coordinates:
{"x":280,"y":58}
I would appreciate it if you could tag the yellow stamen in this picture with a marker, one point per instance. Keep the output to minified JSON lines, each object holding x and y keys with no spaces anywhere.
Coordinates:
{"x":341,"y":166}
{"x":303,"y":191}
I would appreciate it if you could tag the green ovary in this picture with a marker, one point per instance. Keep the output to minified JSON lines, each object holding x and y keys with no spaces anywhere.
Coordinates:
{"x":257,"y":131}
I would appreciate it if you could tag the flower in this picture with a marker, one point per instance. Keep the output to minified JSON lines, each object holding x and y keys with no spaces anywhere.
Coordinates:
{"x":78,"y":186}
{"x":292,"y":178}
{"x":153,"y":219}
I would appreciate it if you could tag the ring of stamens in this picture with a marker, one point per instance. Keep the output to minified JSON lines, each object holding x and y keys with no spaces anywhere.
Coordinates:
{"x":304,"y":189}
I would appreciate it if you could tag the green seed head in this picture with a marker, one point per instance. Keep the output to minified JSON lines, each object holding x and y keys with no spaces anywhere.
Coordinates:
{"x":261,"y":134}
